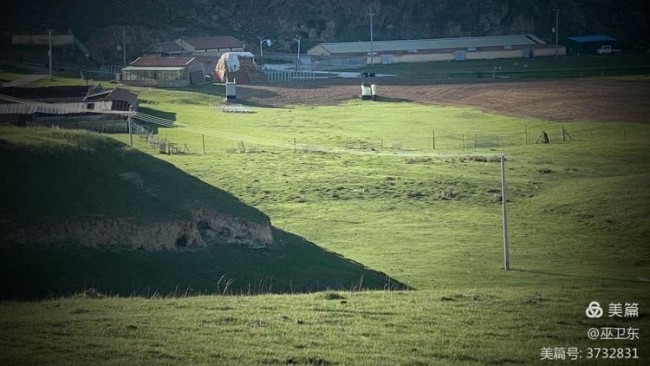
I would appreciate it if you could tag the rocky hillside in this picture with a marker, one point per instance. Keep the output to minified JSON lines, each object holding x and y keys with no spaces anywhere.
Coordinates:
{"x":101,"y":24}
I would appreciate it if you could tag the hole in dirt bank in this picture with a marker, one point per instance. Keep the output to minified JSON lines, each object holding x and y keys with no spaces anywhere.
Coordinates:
{"x":203,"y":225}
{"x":181,"y":241}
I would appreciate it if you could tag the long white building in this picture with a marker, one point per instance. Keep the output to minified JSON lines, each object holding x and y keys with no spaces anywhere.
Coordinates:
{"x":441,"y":49}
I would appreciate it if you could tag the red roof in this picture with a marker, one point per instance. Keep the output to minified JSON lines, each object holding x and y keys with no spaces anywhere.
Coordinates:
{"x":206,"y":43}
{"x":156,"y":61}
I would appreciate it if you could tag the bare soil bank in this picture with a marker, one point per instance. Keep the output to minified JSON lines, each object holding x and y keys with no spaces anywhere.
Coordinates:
{"x":593,"y":99}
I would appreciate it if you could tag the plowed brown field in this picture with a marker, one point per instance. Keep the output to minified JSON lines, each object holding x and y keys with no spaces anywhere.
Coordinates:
{"x":597,"y":99}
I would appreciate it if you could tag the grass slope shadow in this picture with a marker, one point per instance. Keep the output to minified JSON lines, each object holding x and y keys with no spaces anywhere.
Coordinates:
{"x":296,"y":266}
{"x":52,"y":175}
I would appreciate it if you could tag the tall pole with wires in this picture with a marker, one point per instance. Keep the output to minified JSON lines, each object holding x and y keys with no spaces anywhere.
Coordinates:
{"x":49,"y":52}
{"x":297,"y":39}
{"x":504,"y":216}
{"x":372,"y":56}
{"x":263,"y":41}
{"x":124,"y":46}
{"x":557,"y":31}
{"x":129,"y":121}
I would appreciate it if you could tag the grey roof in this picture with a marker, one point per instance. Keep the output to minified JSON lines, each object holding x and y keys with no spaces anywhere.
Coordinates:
{"x":432,"y":44}
{"x":47,"y":108}
{"x":48,"y":93}
{"x":152,"y":68}
{"x":58,"y":99}
{"x":157,"y":61}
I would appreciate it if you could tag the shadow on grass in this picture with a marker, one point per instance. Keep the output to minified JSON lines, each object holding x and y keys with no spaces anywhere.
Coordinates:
{"x":293,"y":265}
{"x":83,"y":175}
{"x":158,"y":113}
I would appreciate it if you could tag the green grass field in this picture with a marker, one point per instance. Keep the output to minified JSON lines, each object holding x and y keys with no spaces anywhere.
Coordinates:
{"x":364,"y":181}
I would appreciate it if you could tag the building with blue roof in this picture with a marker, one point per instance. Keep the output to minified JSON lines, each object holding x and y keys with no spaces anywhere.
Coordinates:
{"x":587,"y":45}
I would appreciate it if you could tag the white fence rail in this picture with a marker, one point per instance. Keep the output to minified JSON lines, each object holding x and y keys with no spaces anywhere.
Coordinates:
{"x":282,"y":76}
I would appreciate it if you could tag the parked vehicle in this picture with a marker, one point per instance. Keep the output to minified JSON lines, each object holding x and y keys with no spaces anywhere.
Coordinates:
{"x":607,"y":50}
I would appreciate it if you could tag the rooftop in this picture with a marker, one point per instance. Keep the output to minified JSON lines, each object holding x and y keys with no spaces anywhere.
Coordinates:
{"x":49,"y":93}
{"x":155,"y":61}
{"x":204,"y":43}
{"x":592,"y":38}
{"x":167,"y":47}
{"x":432,"y":44}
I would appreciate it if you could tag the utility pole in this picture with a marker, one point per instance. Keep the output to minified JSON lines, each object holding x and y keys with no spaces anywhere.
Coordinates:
{"x":372,"y":56}
{"x":129,"y":121}
{"x":49,"y":52}
{"x":298,"y":40}
{"x":262,"y":42}
{"x":124,"y":45}
{"x":557,"y":31}
{"x":504,"y":215}
{"x":298,"y":61}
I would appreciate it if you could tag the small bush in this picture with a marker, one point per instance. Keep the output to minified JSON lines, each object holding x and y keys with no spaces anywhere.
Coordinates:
{"x":333,"y":296}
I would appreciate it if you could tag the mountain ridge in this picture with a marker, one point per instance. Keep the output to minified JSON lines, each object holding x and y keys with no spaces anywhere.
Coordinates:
{"x":147,"y":22}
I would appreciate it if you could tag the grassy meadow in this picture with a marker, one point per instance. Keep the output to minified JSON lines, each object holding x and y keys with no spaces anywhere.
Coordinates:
{"x":364,"y":180}
{"x":583,"y":195}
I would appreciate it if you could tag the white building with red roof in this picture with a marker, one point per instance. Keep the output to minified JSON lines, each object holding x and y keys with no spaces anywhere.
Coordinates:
{"x":205,"y":51}
{"x":210,"y":46}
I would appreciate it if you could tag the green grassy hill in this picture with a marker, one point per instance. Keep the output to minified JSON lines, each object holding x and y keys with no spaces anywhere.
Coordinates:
{"x":56,"y":181}
{"x":363,"y":180}
{"x":448,"y":326}
{"x":55,"y":173}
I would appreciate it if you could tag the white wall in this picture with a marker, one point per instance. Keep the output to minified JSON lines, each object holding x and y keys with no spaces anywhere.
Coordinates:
{"x":474,"y":55}
{"x":551,"y":51}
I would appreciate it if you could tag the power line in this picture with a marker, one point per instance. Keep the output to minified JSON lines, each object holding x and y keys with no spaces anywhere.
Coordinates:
{"x":153,"y":119}
{"x":49,"y":52}
{"x":557,"y":31}
{"x":289,"y":145}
